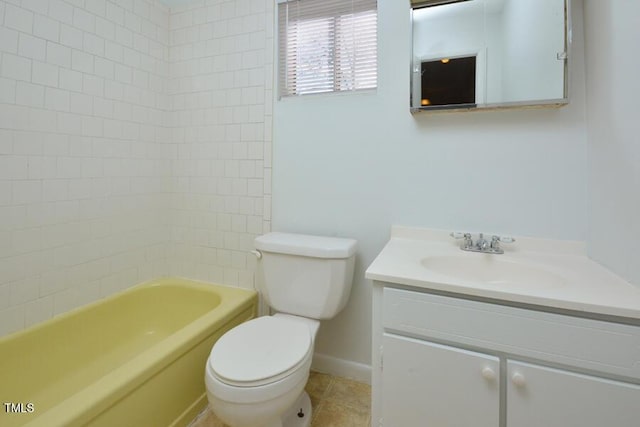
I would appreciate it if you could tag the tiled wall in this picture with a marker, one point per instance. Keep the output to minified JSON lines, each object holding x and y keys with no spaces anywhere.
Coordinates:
{"x":220,"y":95}
{"x":135,"y":142}
{"x":83,"y":101}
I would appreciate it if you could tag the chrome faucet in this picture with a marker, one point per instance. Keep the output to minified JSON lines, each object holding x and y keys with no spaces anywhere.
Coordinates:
{"x":481,"y":244}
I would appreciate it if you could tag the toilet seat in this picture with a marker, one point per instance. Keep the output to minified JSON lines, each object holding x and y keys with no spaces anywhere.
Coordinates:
{"x":260,"y":352}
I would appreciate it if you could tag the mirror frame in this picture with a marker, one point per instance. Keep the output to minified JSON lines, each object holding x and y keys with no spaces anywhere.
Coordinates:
{"x":543,"y":103}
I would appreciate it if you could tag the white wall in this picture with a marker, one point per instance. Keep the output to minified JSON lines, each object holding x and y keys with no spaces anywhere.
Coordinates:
{"x":82,"y":103}
{"x":612,"y":34}
{"x":353,"y":165}
{"x":221,"y":76}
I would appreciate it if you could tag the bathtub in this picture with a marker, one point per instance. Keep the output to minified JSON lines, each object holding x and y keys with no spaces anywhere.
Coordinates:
{"x":134,"y":359}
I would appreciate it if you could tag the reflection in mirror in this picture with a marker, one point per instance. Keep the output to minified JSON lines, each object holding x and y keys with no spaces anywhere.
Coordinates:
{"x":488,"y":53}
{"x":449,"y":81}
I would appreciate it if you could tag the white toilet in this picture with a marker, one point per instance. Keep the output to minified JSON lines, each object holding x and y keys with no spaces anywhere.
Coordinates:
{"x":256,"y":372}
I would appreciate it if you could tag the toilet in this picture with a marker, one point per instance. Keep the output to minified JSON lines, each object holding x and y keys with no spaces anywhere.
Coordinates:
{"x":256,"y":372}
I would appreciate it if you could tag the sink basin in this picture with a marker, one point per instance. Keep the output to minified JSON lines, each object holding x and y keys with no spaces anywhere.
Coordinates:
{"x":491,"y":270}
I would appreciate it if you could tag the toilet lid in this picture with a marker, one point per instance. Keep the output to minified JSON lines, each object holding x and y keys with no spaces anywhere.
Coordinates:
{"x":260,"y":349}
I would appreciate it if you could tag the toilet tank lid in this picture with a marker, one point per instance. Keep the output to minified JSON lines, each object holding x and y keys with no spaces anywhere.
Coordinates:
{"x":306,"y":245}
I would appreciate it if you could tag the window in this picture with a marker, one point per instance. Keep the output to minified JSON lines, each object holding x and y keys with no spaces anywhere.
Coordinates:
{"x":327,"y":46}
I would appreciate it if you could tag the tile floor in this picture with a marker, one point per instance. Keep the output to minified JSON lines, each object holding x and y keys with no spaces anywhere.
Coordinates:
{"x":336,"y":402}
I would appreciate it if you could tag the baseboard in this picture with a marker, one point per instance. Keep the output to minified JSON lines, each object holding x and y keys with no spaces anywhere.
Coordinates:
{"x":341,"y":368}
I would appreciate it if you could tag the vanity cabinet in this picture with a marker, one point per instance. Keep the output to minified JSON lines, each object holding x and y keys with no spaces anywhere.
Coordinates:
{"x":542,"y":396}
{"x":434,"y":382}
{"x":443,"y":360}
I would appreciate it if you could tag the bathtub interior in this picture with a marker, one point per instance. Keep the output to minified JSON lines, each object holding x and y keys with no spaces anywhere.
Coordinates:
{"x":46,"y":365}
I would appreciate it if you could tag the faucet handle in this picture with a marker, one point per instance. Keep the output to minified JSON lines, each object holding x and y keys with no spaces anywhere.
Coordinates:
{"x":503,"y":239}
{"x":468,"y":242}
{"x":459,"y":235}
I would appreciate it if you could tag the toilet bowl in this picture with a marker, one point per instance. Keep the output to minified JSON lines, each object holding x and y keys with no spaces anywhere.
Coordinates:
{"x":256,"y":372}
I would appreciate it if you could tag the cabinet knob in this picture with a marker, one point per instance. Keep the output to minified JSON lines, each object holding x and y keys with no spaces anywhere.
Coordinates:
{"x":488,"y":373}
{"x":518,"y":379}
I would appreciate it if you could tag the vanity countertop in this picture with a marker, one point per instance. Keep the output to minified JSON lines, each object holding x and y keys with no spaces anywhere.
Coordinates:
{"x":575,"y":282}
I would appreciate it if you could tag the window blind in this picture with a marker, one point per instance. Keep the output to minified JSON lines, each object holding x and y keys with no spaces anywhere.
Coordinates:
{"x":327,"y":46}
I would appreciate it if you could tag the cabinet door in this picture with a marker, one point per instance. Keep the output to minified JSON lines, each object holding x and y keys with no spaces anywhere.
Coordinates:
{"x":539,"y":396}
{"x":431,"y":385}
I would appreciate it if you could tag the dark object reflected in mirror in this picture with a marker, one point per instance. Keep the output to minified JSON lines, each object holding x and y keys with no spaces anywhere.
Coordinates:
{"x":449,"y":82}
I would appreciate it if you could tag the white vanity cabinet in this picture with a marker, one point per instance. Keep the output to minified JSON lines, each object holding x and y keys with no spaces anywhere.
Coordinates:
{"x":440,"y":360}
{"x":541,"y":396}
{"x":434,"y":382}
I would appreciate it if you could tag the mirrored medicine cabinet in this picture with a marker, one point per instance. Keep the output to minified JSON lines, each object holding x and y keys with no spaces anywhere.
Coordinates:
{"x":488,"y":54}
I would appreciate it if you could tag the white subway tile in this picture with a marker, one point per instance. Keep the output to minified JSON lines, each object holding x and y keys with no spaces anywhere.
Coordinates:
{"x":70,"y":80}
{"x":115,"y":13}
{"x":8,"y":40}
{"x":93,"y":44}
{"x":7,"y":92}
{"x":97,"y":7}
{"x":27,"y":191}
{"x":123,"y":73}
{"x":93,"y":85}
{"x":58,"y":55}
{"x":14,"y":167}
{"x":80,"y":146}
{"x":45,"y":74}
{"x":43,"y":120}
{"x":113,"y":90}
{"x":19,"y":19}
{"x":46,"y":28}
{"x":6,"y":138}
{"x":84,"y":20}
{"x":5,"y":193}
{"x":69,"y":167}
{"x":71,"y":37}
{"x":14,"y":117}
{"x":38,"y":6}
{"x":55,"y":144}
{"x":103,"y":108}
{"x":132,"y":22}
{"x":31,"y":47}
{"x":28,"y":143}
{"x":92,"y":126}
{"x":81,"y":61}
{"x":27,"y":240}
{"x":29,"y":94}
{"x":55,"y":190}
{"x":68,"y":123}
{"x":56,"y":99}
{"x":61,"y":11}
{"x":16,"y":67}
{"x":105,"y":29}
{"x":113,"y":51}
{"x":42,"y":167}
{"x":124,"y":36}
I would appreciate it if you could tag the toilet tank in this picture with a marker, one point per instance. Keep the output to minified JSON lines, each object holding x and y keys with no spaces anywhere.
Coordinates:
{"x":305,"y":275}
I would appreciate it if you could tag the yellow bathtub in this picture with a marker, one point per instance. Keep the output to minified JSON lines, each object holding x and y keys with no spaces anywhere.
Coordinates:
{"x":134,"y":359}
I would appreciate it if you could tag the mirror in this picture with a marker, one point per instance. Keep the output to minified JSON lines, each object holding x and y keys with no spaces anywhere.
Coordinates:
{"x":478,"y":54}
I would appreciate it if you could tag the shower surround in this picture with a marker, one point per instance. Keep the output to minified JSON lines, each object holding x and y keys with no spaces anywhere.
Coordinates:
{"x":135,"y":142}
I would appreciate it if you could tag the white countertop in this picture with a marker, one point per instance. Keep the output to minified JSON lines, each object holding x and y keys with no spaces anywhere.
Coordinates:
{"x":585,"y":285}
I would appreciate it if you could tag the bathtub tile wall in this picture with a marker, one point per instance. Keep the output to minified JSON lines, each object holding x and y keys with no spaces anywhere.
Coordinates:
{"x":84,"y":151}
{"x":220,"y":91}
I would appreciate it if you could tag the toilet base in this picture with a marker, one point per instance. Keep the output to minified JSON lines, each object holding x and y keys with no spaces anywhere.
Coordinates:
{"x":302,"y":406}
